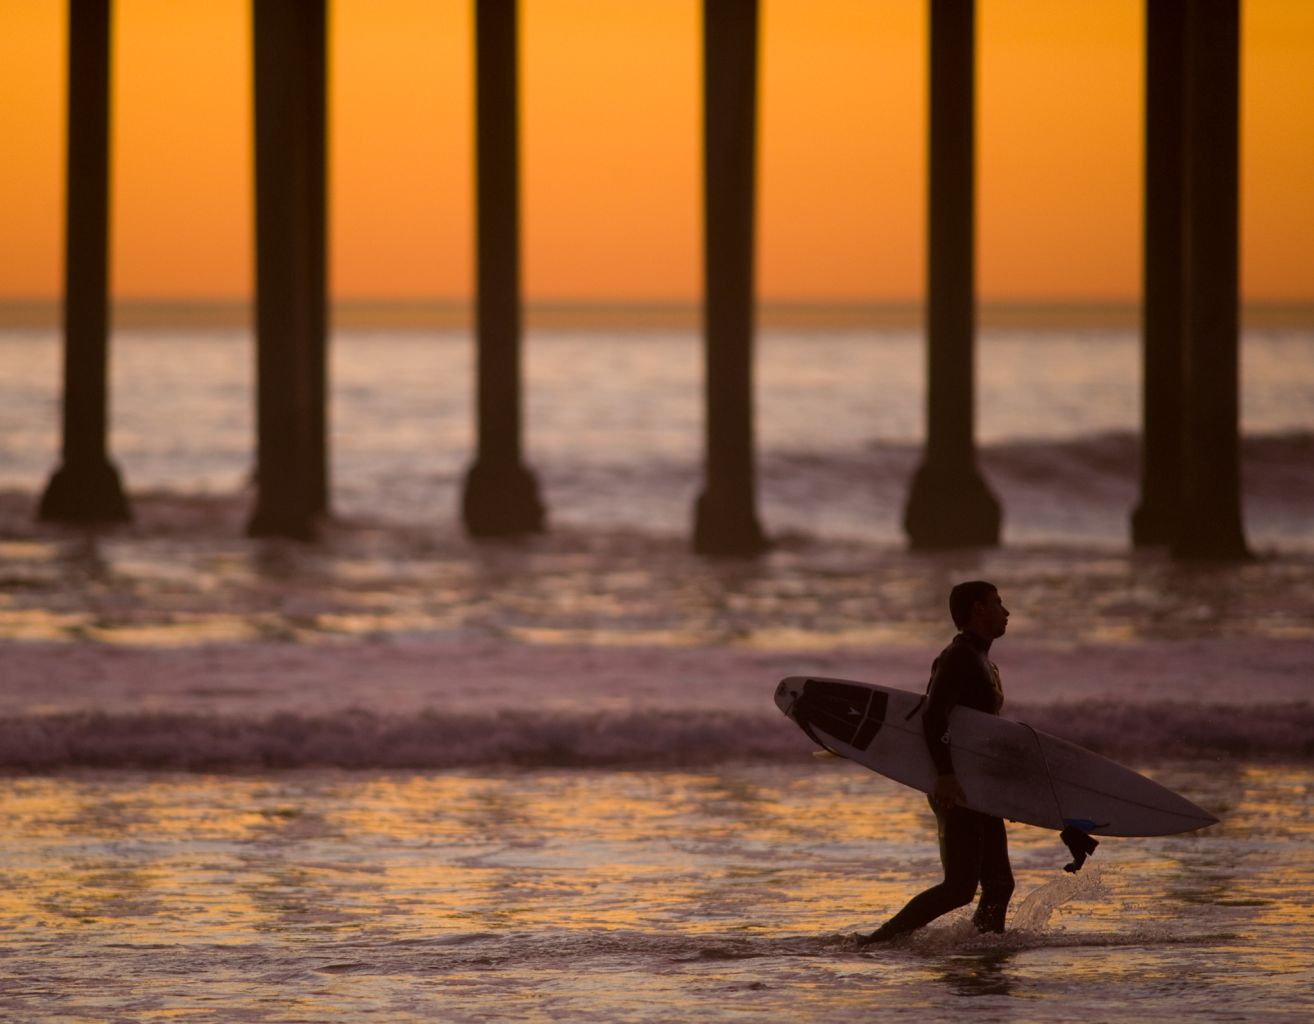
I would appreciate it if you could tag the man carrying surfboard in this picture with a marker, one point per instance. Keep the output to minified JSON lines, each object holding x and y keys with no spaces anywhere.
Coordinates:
{"x":973,"y":846}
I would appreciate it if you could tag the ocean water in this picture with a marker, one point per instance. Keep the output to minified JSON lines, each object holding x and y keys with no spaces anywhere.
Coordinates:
{"x":614,"y":426}
{"x":400,"y":776}
{"x":721,"y":894}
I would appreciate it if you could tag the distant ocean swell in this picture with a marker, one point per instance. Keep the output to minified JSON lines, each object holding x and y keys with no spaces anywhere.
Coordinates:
{"x":1076,"y":490}
{"x":363,"y":740}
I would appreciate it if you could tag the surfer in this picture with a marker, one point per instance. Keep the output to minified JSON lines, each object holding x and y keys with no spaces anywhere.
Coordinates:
{"x":973,"y":846}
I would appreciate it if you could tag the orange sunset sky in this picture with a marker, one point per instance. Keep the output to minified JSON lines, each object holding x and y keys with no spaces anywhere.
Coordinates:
{"x":611,"y":122}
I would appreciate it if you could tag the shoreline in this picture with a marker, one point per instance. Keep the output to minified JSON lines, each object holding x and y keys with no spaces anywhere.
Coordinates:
{"x":425,"y":706}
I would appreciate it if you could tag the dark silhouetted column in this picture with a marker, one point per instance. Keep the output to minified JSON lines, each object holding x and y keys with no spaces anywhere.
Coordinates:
{"x":501,"y":495}
{"x":950,"y":504}
{"x":291,"y":412}
{"x":725,"y":518}
{"x":86,"y":487}
{"x":1210,"y":514}
{"x":1163,"y":310}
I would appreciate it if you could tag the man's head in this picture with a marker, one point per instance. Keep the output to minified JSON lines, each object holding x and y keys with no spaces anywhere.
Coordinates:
{"x":976,"y":607}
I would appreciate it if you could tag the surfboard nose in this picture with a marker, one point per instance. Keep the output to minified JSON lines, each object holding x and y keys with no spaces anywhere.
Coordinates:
{"x":787,"y":692}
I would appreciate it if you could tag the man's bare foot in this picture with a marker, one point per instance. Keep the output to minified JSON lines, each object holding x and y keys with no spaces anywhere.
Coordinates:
{"x":882,"y":934}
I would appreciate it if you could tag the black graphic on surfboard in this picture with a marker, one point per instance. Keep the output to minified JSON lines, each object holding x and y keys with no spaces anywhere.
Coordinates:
{"x":847,"y":711}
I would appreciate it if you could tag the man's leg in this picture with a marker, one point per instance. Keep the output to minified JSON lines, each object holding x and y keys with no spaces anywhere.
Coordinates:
{"x":960,"y":833}
{"x":996,"y":877}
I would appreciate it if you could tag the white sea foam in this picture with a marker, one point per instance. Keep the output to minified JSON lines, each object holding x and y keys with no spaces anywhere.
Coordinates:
{"x":429,"y":739}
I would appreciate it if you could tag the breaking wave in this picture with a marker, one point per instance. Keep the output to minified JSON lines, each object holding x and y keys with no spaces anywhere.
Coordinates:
{"x":362,"y":739}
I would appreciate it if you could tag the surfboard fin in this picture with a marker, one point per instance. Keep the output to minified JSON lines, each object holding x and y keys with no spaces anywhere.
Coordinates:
{"x":1080,"y":844}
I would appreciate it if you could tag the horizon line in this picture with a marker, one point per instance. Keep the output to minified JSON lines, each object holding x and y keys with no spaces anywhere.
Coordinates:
{"x":448,"y":313}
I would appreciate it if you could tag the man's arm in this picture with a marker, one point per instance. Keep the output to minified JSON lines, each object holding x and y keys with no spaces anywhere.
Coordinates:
{"x":942,"y":696}
{"x":947,"y":679}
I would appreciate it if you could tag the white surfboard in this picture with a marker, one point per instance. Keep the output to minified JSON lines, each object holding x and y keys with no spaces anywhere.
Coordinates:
{"x":1006,"y":768}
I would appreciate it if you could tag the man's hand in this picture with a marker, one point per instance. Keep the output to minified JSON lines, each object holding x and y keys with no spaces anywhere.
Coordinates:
{"x":947,"y":793}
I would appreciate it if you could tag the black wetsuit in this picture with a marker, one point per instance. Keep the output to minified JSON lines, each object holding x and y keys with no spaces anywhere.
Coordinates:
{"x":973,"y":846}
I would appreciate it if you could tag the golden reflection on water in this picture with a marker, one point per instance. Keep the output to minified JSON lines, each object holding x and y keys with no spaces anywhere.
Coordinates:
{"x":179,"y":631}
{"x":432,"y":852}
{"x":737,"y":849}
{"x":40,"y":624}
{"x":675,"y":888}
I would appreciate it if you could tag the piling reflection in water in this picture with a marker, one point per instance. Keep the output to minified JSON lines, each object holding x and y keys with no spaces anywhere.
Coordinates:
{"x":612,"y":590}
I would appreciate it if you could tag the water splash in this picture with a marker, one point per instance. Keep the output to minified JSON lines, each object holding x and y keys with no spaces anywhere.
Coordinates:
{"x":1028,"y":926}
{"x":1040,"y":904}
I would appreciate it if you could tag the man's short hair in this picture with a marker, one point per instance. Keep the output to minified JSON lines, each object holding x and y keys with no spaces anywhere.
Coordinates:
{"x":963,"y":598}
